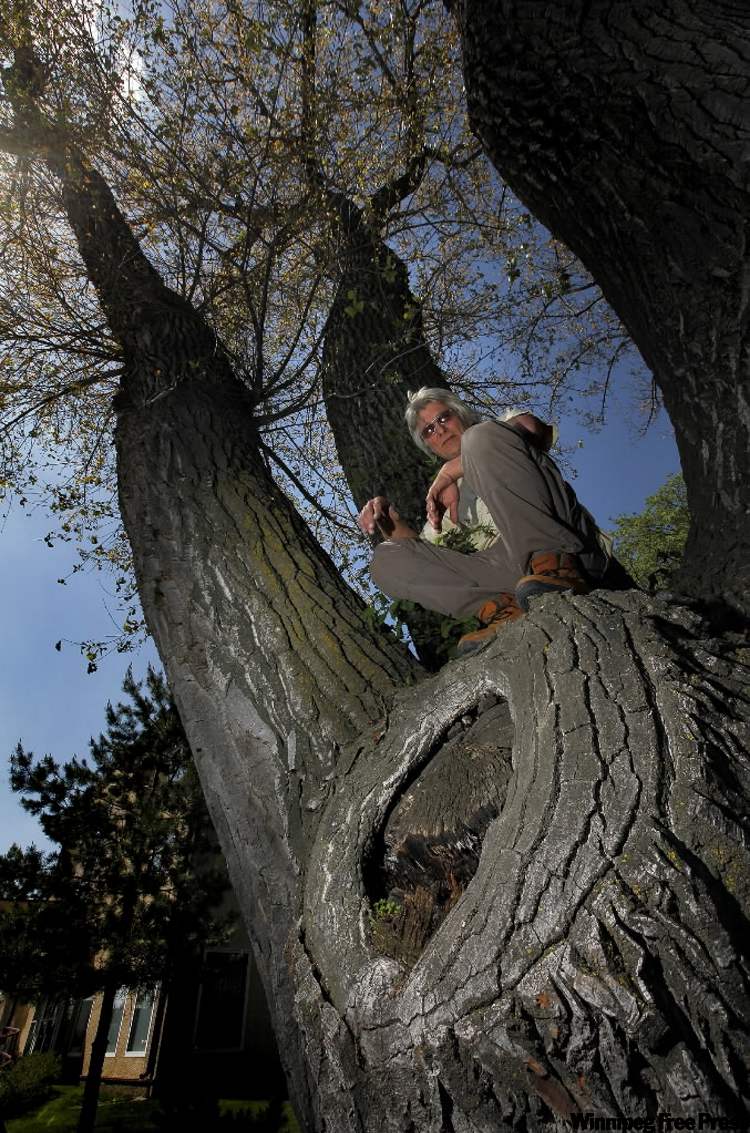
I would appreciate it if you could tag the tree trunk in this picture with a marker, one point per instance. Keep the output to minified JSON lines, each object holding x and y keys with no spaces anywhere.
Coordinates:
{"x":272,"y":660}
{"x":598,"y":960}
{"x":622,"y":127}
{"x":374,"y":354}
{"x":270,"y":657}
{"x":93,"y":1083}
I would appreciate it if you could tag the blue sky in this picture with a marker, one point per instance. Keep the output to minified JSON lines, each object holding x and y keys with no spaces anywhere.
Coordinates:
{"x":46,"y":697}
{"x":47,"y":700}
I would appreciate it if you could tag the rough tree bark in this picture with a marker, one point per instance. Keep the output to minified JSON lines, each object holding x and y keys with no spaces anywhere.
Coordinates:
{"x":274,"y":666}
{"x":625,"y":129}
{"x":374,"y":353}
{"x":597,"y":959}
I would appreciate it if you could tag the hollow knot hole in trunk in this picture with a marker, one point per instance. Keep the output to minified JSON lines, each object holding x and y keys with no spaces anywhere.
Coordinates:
{"x":429,"y":847}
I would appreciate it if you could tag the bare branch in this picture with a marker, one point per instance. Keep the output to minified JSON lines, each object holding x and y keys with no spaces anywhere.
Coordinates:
{"x":74,"y":387}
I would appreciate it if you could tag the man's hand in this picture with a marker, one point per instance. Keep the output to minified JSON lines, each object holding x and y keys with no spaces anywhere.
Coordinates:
{"x":379,"y":513}
{"x":443,"y":494}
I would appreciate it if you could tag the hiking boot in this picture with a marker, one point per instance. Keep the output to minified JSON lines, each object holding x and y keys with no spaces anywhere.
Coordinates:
{"x":494,"y":615}
{"x":551,"y":573}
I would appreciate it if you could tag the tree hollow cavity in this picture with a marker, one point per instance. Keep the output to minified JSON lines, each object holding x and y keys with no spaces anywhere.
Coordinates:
{"x":429,"y":847}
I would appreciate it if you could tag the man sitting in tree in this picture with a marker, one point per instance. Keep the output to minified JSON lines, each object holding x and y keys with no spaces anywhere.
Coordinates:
{"x":531,"y":535}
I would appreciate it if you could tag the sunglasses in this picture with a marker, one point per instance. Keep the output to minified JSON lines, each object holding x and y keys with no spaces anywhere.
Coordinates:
{"x":441,"y":419}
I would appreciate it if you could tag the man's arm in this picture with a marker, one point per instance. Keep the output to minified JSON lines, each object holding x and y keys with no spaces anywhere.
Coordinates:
{"x":443,"y":493}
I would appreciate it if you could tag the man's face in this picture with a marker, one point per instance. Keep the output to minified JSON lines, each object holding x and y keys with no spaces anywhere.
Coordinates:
{"x":441,"y":429}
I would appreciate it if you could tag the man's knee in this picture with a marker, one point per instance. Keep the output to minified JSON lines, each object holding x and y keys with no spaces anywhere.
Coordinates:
{"x":486,"y":437}
{"x":389,"y":564}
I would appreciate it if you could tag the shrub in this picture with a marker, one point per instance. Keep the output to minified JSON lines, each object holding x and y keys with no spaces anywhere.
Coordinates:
{"x":27,"y":1083}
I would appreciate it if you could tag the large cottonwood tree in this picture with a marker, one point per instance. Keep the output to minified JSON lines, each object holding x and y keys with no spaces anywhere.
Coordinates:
{"x":593,"y":760}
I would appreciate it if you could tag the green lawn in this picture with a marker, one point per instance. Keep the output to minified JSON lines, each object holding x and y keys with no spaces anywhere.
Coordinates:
{"x":121,"y":1114}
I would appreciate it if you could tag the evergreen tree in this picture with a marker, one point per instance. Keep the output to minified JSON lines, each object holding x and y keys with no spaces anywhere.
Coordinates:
{"x":132,"y":885}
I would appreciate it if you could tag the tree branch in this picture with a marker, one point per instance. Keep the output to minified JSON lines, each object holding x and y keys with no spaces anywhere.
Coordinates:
{"x":74,"y":387}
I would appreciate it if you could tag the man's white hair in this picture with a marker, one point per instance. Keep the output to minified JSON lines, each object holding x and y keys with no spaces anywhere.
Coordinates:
{"x":426,"y":396}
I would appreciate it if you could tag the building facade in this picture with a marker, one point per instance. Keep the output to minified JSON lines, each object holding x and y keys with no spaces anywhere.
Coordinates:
{"x":208,"y":1030}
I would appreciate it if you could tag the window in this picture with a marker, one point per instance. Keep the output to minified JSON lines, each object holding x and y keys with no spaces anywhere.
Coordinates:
{"x":140,"y":1023}
{"x":45,"y":1028}
{"x":116,"y":1021}
{"x":79,"y":1025}
{"x":220,"y":1021}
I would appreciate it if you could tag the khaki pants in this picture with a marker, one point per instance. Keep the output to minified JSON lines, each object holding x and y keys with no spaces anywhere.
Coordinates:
{"x":533,"y":508}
